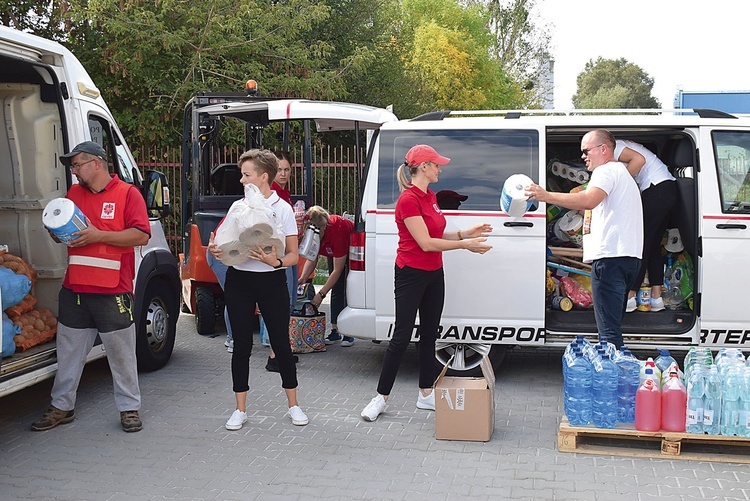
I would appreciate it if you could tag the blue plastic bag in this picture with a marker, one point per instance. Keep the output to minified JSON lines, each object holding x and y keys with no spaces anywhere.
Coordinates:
{"x":14,"y":287}
{"x":9,"y":331}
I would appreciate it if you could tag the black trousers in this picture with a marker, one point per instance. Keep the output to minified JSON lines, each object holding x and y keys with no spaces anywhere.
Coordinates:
{"x":658,"y":203}
{"x":243,"y":290}
{"x":415,"y":290}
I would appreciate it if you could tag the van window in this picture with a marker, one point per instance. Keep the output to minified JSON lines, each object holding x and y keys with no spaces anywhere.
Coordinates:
{"x":481,"y":161}
{"x":732,"y":153}
{"x":117,"y":160}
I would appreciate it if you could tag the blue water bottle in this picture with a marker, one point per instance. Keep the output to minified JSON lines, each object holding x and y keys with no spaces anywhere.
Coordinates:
{"x":578,"y":391}
{"x":604,"y":393}
{"x":627,"y":386}
{"x":730,"y":400}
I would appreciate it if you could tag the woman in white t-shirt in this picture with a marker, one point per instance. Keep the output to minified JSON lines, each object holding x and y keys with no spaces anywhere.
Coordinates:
{"x":261,"y":280}
{"x":658,"y":196}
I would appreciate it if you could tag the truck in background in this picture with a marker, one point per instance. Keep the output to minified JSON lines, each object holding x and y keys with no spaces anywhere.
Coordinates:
{"x":216,"y":123}
{"x":50,"y":104}
{"x":728,"y":101}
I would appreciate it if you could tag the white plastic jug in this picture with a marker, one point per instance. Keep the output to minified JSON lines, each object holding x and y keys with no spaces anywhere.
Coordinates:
{"x":310,"y":245}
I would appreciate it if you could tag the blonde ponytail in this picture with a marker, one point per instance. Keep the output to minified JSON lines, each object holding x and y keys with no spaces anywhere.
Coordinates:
{"x":404,"y":183}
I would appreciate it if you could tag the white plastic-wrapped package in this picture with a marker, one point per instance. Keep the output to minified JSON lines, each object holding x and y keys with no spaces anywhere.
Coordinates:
{"x":249,"y":223}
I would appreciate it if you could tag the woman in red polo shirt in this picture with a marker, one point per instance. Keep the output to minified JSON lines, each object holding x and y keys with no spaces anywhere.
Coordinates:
{"x":334,"y":244}
{"x":419,"y":281}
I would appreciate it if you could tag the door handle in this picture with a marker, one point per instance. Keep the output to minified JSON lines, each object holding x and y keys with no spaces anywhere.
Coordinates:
{"x":522,"y":224}
{"x":731,"y":226}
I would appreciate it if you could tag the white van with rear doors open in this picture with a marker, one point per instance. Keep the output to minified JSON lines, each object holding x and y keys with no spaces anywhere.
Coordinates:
{"x":500,"y":299}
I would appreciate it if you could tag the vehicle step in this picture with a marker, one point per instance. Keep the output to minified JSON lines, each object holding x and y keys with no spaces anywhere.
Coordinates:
{"x":625,"y":440}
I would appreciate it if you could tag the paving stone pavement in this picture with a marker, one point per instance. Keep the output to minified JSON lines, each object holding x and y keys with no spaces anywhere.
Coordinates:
{"x":184,"y":452}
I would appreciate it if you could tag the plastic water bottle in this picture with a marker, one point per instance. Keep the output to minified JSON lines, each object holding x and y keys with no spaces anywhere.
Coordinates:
{"x":578,"y":395}
{"x":663,"y":361}
{"x":673,"y":404}
{"x":744,"y":425}
{"x":628,"y":382}
{"x":712,"y":402}
{"x":730,"y":401}
{"x":655,"y":372}
{"x":648,"y":406}
{"x":696,"y":388}
{"x":604,"y":392}
{"x":567,"y":361}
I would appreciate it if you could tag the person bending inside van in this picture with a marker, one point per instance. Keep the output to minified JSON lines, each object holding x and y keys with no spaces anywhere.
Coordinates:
{"x":612,"y":229}
{"x":419,"y":280}
{"x":658,"y":197}
{"x":334,"y":244}
{"x":96,"y":297}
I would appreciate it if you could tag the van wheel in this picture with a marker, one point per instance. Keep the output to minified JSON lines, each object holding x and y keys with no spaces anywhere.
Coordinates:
{"x":205,"y":311}
{"x":467,"y":357}
{"x":156,"y":327}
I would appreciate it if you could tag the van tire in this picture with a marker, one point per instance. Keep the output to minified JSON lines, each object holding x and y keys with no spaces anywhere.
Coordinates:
{"x":496,"y":355}
{"x":205,"y":311}
{"x":156,"y":327}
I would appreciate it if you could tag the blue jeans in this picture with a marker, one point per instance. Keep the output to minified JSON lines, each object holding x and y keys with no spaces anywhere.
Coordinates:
{"x":610,"y":281}
{"x":220,"y":270}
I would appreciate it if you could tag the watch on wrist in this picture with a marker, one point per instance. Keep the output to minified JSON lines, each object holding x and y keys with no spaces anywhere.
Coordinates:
{"x":281,"y":263}
{"x":322,"y":294}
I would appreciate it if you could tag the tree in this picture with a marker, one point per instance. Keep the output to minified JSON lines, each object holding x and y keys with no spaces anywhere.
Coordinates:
{"x":614,"y":83}
{"x":521,"y":46}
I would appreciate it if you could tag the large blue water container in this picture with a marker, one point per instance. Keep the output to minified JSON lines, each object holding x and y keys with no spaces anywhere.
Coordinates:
{"x":627,"y":386}
{"x":604,"y":393}
{"x":578,"y":391}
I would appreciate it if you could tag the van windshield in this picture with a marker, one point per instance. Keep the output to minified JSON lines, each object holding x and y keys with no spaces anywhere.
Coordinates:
{"x":481,"y":161}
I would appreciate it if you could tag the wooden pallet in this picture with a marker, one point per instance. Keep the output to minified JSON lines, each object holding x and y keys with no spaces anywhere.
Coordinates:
{"x":625,"y":440}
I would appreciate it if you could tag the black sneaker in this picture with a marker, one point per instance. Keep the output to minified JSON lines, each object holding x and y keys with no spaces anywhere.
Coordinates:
{"x":130,"y":421}
{"x":334,"y":337}
{"x":51,"y":418}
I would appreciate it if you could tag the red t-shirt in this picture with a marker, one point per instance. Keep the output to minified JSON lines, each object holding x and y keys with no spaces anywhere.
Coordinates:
{"x":415,"y":202}
{"x":283,"y":193}
{"x":135,"y":217}
{"x":335,"y":241}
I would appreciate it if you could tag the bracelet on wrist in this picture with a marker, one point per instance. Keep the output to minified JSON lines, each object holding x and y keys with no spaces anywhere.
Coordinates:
{"x":281,"y":263}
{"x":459,"y":235}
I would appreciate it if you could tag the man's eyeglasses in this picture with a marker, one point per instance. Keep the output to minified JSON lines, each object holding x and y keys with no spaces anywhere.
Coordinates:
{"x":78,"y":166}
{"x":585,"y":151}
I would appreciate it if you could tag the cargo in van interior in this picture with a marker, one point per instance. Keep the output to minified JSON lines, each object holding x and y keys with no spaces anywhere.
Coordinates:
{"x":677,"y":150}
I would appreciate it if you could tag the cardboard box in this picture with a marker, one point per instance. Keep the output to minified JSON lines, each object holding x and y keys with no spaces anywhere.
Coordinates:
{"x":465,"y":406}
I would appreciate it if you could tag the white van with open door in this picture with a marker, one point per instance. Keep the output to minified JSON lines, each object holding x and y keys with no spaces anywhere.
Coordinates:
{"x":500,"y":299}
{"x":50,"y":104}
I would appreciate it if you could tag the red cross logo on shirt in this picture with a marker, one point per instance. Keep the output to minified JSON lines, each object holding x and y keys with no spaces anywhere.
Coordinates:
{"x":108,"y":210}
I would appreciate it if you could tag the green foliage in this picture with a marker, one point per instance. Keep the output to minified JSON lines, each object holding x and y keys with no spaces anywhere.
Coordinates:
{"x":614,"y":83}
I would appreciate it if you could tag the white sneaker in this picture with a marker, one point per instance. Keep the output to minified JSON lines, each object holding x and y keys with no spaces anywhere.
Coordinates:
{"x":372,"y":410}
{"x":298,"y":417}
{"x":657,"y":304}
{"x":427,"y":403}
{"x":632,"y":305}
{"x":236,"y":421}
{"x":229,"y":343}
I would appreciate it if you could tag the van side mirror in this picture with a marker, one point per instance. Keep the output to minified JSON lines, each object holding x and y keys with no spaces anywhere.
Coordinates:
{"x":156,"y":193}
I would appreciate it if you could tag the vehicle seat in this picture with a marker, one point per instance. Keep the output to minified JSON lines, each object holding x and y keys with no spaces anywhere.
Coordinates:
{"x":225,"y":180}
{"x":685,"y":215}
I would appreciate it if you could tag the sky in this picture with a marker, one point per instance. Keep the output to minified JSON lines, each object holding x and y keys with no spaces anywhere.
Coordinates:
{"x":689,"y":44}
